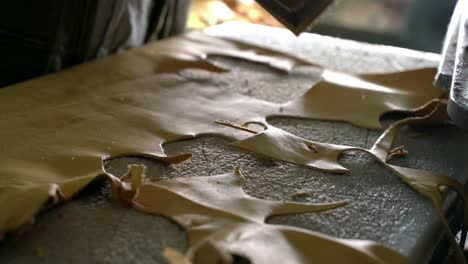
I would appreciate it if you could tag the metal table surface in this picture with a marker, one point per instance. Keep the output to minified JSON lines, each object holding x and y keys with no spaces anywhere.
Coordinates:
{"x":92,"y":229}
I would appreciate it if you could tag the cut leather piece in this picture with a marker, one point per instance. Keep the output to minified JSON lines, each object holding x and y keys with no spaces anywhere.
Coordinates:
{"x":221,"y":220}
{"x":107,"y":108}
{"x":281,"y":145}
{"x":123,"y":105}
{"x":262,"y":244}
{"x":197,"y":46}
{"x":363,"y":99}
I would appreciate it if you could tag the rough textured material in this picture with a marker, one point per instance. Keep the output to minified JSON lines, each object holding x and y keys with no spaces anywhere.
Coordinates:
{"x":268,"y":181}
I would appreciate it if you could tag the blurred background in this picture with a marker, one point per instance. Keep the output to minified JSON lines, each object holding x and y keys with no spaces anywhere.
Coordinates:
{"x":416,"y":24}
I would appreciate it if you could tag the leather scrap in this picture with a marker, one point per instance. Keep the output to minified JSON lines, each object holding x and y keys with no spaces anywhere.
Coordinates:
{"x":132,"y":103}
{"x":221,"y":220}
{"x":362,"y":99}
